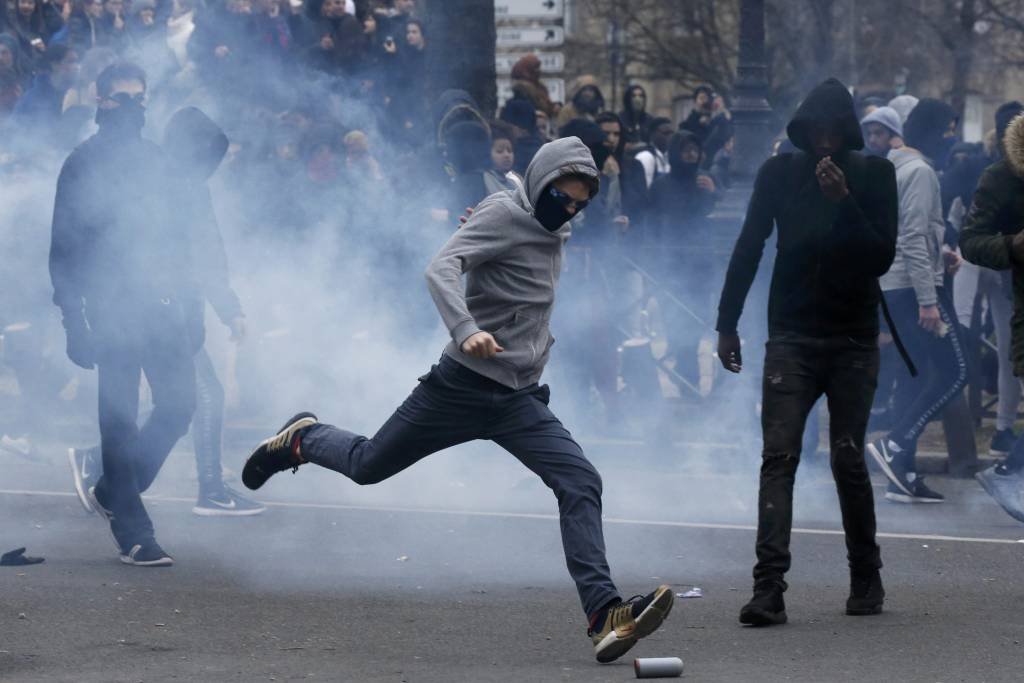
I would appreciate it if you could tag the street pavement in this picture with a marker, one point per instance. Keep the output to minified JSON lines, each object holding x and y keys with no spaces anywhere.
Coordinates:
{"x":453,"y":571}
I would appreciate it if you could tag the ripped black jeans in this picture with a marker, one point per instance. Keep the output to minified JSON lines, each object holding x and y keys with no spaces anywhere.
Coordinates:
{"x":797,"y":371}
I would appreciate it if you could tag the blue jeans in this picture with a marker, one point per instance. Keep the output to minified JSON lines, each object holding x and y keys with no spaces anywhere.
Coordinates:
{"x":454,"y":405}
{"x":942,"y":361}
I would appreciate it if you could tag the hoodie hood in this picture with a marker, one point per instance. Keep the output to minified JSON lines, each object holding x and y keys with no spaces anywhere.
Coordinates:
{"x":828,"y":104}
{"x":1013,"y":145}
{"x":675,"y":149}
{"x":468,"y":147}
{"x":627,"y":99}
{"x":454,"y":106}
{"x":194,"y":143}
{"x":591,"y":135}
{"x":926,"y":128}
{"x":564,"y":156}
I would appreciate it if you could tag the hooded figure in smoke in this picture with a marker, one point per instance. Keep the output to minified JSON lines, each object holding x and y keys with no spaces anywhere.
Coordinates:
{"x":124,"y":278}
{"x":486,"y":385}
{"x":195,"y":146}
{"x":836,"y":215}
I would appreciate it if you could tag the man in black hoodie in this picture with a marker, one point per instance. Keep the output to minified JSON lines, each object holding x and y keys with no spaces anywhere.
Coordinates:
{"x":195,"y":146}
{"x":836,"y":213}
{"x":123,"y":277}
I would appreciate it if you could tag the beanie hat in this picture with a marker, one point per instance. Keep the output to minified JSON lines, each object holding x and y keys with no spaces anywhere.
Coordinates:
{"x":904,"y":104}
{"x":1006,"y":113}
{"x":886,"y":116}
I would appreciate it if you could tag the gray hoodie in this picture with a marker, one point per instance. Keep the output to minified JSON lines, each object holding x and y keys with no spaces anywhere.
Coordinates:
{"x":512,"y":264}
{"x":918,"y":262}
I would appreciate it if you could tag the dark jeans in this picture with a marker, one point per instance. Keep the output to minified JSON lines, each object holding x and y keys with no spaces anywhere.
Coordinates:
{"x":453,"y":405}
{"x":208,"y":426}
{"x":797,"y":370}
{"x":133,"y":456}
{"x":941,"y":360}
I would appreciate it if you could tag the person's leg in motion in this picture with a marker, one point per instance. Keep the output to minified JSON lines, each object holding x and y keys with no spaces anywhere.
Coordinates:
{"x":1001,"y":305}
{"x":170,"y":371}
{"x":850,"y":389}
{"x":790,"y":388}
{"x":215,"y":498}
{"x":444,"y":410}
{"x":116,"y":493}
{"x":943,"y":363}
{"x":527,"y":429}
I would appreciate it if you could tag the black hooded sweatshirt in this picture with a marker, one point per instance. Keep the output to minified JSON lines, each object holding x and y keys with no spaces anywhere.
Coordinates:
{"x":830,"y":255}
{"x":676,"y":201}
{"x":195,"y":147}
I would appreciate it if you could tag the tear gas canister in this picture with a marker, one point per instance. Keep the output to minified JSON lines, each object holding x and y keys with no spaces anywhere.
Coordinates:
{"x":658,"y":667}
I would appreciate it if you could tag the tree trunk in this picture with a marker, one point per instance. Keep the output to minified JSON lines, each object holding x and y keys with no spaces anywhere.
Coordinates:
{"x":461,"y":47}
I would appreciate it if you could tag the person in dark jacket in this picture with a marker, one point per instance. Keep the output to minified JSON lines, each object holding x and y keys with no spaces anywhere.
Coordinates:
{"x":992,"y":237}
{"x":836,"y":215}
{"x":634,"y":116}
{"x":85,"y":30}
{"x":39,"y":109}
{"x":683,"y":195}
{"x":195,"y":146}
{"x":123,"y":277}
{"x":468,"y":152}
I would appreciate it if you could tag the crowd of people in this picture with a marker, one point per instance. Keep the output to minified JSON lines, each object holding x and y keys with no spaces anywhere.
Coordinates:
{"x":330,"y":124}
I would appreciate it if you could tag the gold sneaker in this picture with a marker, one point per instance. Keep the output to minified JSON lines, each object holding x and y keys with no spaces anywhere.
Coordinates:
{"x":627,"y":622}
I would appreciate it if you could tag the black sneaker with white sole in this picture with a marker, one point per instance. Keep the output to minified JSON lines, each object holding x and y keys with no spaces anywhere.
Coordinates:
{"x":147,"y":554}
{"x":85,"y":472}
{"x":920,"y":493}
{"x":226,"y":503}
{"x":893,"y":465}
{"x":617,"y":628}
{"x":277,"y":453}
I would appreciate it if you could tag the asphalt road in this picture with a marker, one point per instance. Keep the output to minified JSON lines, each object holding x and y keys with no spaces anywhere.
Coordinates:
{"x":453,"y":572}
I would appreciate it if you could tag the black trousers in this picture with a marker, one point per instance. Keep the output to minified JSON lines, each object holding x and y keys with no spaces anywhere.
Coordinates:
{"x":454,"y":405}
{"x":797,"y":371}
{"x":132,"y":456}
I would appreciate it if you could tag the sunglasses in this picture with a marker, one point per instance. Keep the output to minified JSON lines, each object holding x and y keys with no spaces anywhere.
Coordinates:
{"x":567,"y":201}
{"x":125,"y":98}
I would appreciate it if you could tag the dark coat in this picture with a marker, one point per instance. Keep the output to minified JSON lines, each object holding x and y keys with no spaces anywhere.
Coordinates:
{"x":830,"y":255}
{"x":118,"y":251}
{"x":996,"y":215}
{"x":676,"y":201}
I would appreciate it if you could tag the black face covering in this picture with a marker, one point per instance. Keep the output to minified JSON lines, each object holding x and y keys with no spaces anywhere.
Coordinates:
{"x":128,"y":118}
{"x":550,"y":212}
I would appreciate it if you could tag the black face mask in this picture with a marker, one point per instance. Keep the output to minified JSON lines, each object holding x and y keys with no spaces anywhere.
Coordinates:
{"x":128,"y":118}
{"x":550,"y":212}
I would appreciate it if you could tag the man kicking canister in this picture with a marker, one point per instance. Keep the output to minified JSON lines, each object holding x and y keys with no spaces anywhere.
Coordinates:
{"x":486,"y":384}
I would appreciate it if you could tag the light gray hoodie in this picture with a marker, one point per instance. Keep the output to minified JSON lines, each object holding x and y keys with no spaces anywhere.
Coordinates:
{"x":918,"y":262}
{"x":512,"y":264}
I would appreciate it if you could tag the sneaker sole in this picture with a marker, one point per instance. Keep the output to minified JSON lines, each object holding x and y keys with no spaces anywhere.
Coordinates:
{"x":991,"y":491}
{"x":864,"y":612}
{"x":763,"y":618}
{"x":162,"y":562}
{"x":654,"y":614}
{"x":83,"y":498}
{"x":221,"y":512}
{"x":886,"y":469}
{"x":612,"y":647}
{"x":911,"y":500}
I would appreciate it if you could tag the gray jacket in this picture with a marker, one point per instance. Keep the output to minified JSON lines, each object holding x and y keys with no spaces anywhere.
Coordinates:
{"x":918,"y":261}
{"x":512,"y":264}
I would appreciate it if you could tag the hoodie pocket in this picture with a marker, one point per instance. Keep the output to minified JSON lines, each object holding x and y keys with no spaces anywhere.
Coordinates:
{"x":525,"y":339}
